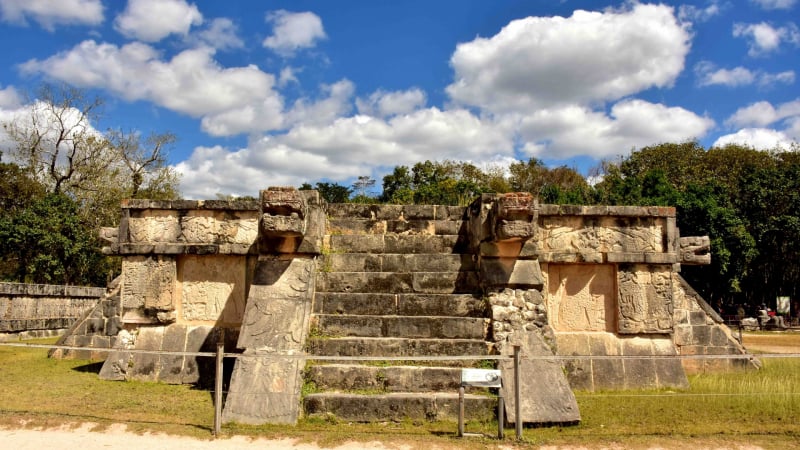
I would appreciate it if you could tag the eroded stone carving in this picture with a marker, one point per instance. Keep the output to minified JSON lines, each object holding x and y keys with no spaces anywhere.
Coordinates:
{"x":645,"y":299}
{"x":283,"y":212}
{"x":514,"y":218}
{"x":695,"y":250}
{"x":581,"y":297}
{"x":581,"y":234}
{"x":148,"y":283}
{"x":212,"y":289}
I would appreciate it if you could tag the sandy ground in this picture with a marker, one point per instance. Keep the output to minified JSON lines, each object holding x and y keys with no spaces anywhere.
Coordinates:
{"x":116,"y":437}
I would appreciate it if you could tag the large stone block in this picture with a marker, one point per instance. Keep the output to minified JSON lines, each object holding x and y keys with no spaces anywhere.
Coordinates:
{"x":213,"y":288}
{"x":547,"y":397}
{"x":148,"y":282}
{"x":581,"y":297}
{"x":645,"y":299}
{"x":511,"y":272}
{"x":264,"y":390}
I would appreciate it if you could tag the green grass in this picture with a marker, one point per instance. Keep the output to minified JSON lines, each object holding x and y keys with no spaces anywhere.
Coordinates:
{"x":749,"y":407}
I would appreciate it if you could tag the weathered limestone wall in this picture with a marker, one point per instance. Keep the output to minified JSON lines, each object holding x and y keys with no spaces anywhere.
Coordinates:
{"x":186,"y":271}
{"x":564,"y":280}
{"x":36,"y":310}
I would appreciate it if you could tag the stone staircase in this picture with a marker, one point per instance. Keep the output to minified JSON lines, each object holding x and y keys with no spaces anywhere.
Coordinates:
{"x":396,"y":281}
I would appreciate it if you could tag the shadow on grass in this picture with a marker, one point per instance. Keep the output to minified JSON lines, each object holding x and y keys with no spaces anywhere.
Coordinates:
{"x":90,"y":368}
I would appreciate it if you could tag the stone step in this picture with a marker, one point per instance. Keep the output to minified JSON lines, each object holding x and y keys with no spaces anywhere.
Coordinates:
{"x":400,"y":406}
{"x":377,"y":226}
{"x":394,"y":262}
{"x":397,"y":243}
{"x":350,"y":377}
{"x":394,"y":347}
{"x":465,"y":282}
{"x":382,"y":304}
{"x":395,"y":212}
{"x":403,"y":326}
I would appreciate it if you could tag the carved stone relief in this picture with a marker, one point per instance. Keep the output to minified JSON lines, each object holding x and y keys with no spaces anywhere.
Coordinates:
{"x":645,"y":299}
{"x":581,"y":297}
{"x":581,"y":234}
{"x":148,"y":282}
{"x":213,"y":288}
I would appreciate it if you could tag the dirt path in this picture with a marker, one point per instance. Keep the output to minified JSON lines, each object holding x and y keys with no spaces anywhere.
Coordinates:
{"x":116,"y":437}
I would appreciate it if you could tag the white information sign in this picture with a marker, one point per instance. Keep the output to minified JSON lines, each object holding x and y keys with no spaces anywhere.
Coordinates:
{"x":480,"y":378}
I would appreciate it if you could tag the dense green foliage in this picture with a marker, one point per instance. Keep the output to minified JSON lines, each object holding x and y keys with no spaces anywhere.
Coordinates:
{"x":61,"y":180}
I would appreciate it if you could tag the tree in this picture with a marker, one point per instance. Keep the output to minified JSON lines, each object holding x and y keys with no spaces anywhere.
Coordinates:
{"x":333,"y":192}
{"x":146,"y":161}
{"x":361,"y":187}
{"x":56,"y":142}
{"x":57,"y":146}
{"x":48,"y":242}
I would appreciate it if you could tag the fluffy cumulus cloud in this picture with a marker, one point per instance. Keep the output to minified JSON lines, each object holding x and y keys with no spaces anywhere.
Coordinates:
{"x":384,"y":104}
{"x":293,"y":31}
{"x":49,"y":13}
{"x":347,"y":147}
{"x":591,"y":56}
{"x":762,"y":114}
{"x":9,"y":98}
{"x":220,"y":33}
{"x":763,"y":38}
{"x":708,"y":75}
{"x":759,"y":138}
{"x":567,"y":132}
{"x":783,"y":122}
{"x":153,"y":20}
{"x":230,"y":100}
{"x":775,"y":4}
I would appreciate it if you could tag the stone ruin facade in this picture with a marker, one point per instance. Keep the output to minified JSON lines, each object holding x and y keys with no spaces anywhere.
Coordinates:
{"x":291,"y":275}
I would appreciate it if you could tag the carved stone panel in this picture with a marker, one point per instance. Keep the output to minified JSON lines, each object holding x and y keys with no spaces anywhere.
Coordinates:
{"x":581,"y":297}
{"x":148,"y":282}
{"x":645,"y":299}
{"x":213,"y":288}
{"x":603,"y":234}
{"x":154,"y":226}
{"x":278,"y":305}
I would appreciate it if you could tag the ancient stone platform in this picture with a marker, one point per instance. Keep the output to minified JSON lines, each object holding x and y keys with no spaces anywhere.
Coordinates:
{"x":290,"y":278}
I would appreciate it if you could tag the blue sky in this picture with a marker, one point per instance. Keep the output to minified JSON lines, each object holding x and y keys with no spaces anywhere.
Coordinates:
{"x":265,"y":93}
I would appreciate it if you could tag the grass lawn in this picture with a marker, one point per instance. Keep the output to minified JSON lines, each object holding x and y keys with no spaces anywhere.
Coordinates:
{"x":756,"y":407}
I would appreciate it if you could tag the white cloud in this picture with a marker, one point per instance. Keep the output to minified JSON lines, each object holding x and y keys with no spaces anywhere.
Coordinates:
{"x":566,"y":132}
{"x":346,"y":148}
{"x":9,"y":98}
{"x":49,"y":13}
{"x":762,"y":114}
{"x":543,"y":61}
{"x":708,"y":75}
{"x":763,"y":38}
{"x":221,"y":34}
{"x":384,"y":104}
{"x":293,"y":31}
{"x":230,"y":100}
{"x":775,"y":4}
{"x":153,"y":20}
{"x":288,"y":75}
{"x":323,"y":112}
{"x":758,"y":138}
{"x":691,"y":13}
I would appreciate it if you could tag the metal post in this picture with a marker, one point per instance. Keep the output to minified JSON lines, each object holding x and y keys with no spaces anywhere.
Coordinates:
{"x":517,"y":400}
{"x":501,"y":419}
{"x":461,"y":411}
{"x":218,"y":390}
